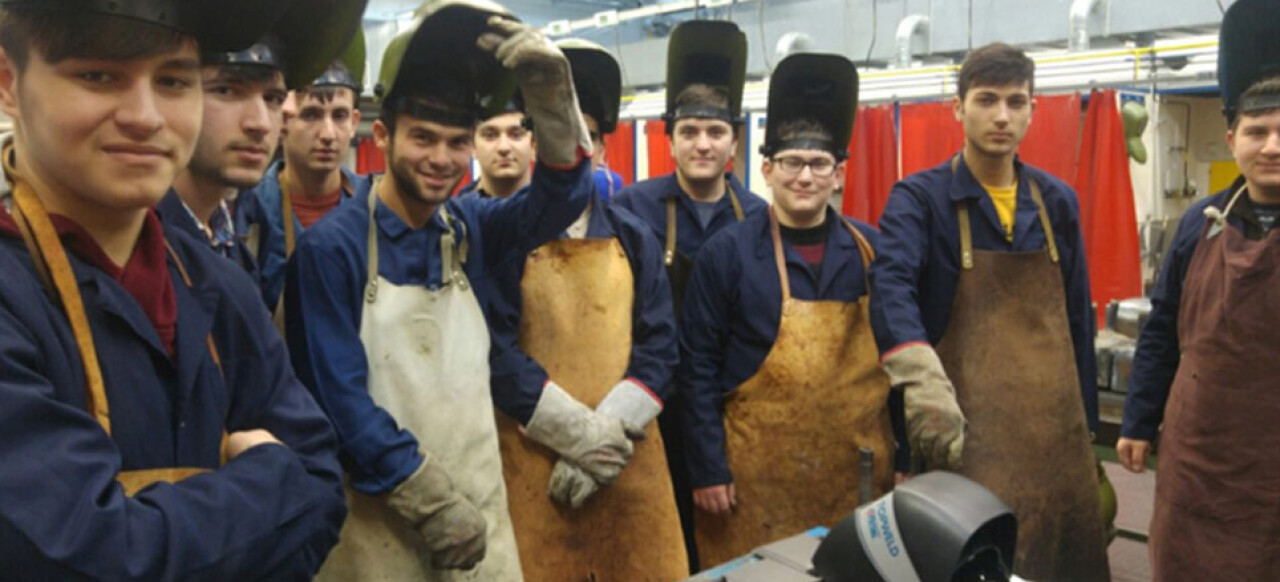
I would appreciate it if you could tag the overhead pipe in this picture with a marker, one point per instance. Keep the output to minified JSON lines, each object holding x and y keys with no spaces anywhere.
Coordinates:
{"x":1078,"y":21}
{"x":908,"y":27}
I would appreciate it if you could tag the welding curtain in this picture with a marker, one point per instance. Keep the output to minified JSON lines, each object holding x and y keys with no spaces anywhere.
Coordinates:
{"x":1107,"y":215}
{"x":620,"y":151}
{"x":659,"y":148}
{"x":873,"y":163}
{"x":369,"y":158}
{"x":1053,"y":139}
{"x":930,"y":135}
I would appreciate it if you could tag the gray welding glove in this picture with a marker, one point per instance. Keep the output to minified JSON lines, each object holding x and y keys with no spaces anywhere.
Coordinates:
{"x":453,"y":528}
{"x":935,"y":424}
{"x":546,"y":85}
{"x":570,"y":486}
{"x":628,"y":401}
{"x":597,"y":443}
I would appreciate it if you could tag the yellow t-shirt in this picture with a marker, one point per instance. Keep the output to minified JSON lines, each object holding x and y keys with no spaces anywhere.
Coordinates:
{"x":1006,"y":202}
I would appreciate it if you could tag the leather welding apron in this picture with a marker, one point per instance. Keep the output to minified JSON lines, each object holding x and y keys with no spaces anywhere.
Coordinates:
{"x":290,"y":235}
{"x":428,"y":355}
{"x":576,"y":322}
{"x":793,"y":430}
{"x":679,"y":268}
{"x":1217,"y":511}
{"x":54,"y":270}
{"x":1008,"y":351}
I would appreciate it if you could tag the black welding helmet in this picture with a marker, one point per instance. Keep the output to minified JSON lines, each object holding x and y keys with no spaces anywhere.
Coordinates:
{"x":936,"y":527}
{"x":706,"y":52}
{"x":435,"y":71}
{"x":217,"y":25}
{"x":597,"y":80}
{"x":1248,"y":52}
{"x":822,"y":88}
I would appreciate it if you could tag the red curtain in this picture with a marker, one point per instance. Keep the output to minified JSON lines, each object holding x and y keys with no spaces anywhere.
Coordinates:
{"x":1053,"y":140}
{"x":659,"y":147}
{"x":369,"y":158}
{"x":930,"y":135}
{"x":873,"y":163}
{"x":620,"y":151}
{"x":1107,"y":215}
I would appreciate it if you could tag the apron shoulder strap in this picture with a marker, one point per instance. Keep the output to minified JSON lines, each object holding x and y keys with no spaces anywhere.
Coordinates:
{"x":864,"y":247}
{"x":669,"y":254}
{"x":1050,"y":243}
{"x":966,"y":232}
{"x":371,"y":253}
{"x":286,"y":211}
{"x":737,"y":204}
{"x":778,"y":255}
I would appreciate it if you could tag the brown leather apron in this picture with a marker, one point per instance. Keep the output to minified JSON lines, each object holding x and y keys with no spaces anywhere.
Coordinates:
{"x":793,"y":430}
{"x":54,"y":270}
{"x":1217,"y":514}
{"x":576,"y":322}
{"x":1008,"y":351}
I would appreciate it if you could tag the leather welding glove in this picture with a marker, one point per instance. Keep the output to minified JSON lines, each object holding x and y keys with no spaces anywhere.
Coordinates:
{"x":453,"y":528}
{"x":628,"y":401}
{"x":570,"y":485}
{"x":935,"y":424}
{"x":546,"y":85}
{"x":597,"y":443}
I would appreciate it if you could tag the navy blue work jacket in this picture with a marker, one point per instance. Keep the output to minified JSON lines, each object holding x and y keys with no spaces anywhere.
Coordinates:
{"x":915,"y":275}
{"x":648,"y":201}
{"x":732,"y":309}
{"x":267,"y":212}
{"x":174,"y":214}
{"x":271,"y":513}
{"x":1155,"y":363}
{"x":518,"y":379}
{"x":325,"y":286}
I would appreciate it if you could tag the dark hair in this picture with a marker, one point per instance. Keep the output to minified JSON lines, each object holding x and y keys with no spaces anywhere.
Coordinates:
{"x":1264,"y":88}
{"x":996,"y":64}
{"x":803,"y":129}
{"x":247,"y":73}
{"x":325,"y":94}
{"x":702,"y":94}
{"x":59,"y":35}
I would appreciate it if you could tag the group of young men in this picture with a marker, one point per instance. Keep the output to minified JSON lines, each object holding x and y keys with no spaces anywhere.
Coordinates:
{"x":544,"y":379}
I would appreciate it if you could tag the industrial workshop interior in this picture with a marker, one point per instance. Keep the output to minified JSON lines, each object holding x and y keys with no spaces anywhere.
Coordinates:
{"x":640,"y":290}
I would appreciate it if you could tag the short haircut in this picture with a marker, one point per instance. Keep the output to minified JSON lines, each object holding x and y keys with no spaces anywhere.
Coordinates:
{"x":996,"y":65}
{"x":59,"y":35}
{"x":393,"y":106}
{"x":1265,"y":88}
{"x":803,"y":129}
{"x":702,"y":94}
{"x":325,"y":94}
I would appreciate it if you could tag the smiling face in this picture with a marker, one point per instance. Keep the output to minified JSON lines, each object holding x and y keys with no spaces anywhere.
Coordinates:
{"x":802,"y":182}
{"x":242,"y":121}
{"x":702,"y":148}
{"x":104,"y":135}
{"x":425,"y":158}
{"x":1255,"y":144}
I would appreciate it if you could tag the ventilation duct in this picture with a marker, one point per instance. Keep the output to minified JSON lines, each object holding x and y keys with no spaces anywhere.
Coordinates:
{"x":908,"y":28}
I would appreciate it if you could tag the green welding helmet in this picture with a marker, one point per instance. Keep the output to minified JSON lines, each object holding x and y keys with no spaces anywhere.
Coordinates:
{"x":821,"y":88}
{"x":303,"y":42}
{"x":597,"y":80}
{"x":217,"y":25}
{"x":435,"y":71}
{"x":348,"y":69}
{"x":706,"y":52}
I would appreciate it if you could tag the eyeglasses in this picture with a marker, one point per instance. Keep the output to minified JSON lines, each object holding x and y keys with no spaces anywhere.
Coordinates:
{"x":819,"y":167}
